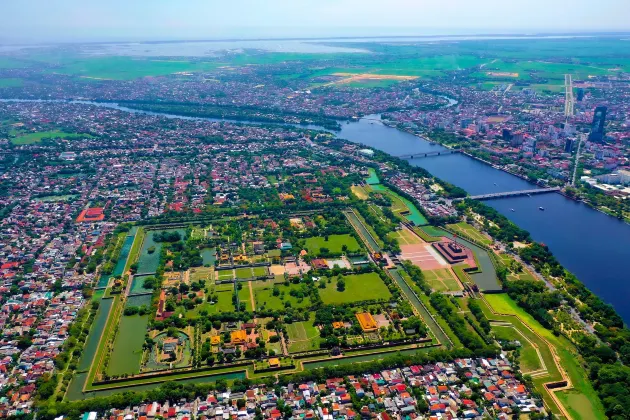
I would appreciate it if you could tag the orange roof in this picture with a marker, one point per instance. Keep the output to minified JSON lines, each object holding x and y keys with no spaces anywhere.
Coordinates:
{"x":337,"y":325}
{"x":367,"y":321}
{"x":274,"y":361}
{"x":239,"y":336}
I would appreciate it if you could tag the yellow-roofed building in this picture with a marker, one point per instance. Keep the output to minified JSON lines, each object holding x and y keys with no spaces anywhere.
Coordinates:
{"x":239,"y":337}
{"x":367,"y":321}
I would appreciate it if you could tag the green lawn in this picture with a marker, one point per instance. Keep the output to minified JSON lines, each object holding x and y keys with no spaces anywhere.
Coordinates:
{"x":359,"y":287}
{"x":260,"y":271}
{"x":244,"y":297}
{"x":244,"y":273}
{"x":442,"y":280}
{"x":126,"y":68}
{"x":127,"y":352}
{"x":224,"y":303}
{"x":566,"y":351}
{"x":334,"y":244}
{"x":10,"y":82}
{"x":30,"y":138}
{"x":528,"y":359}
{"x":225,"y":275}
{"x":467,"y":230}
{"x":303,"y":336}
{"x":263,"y":293}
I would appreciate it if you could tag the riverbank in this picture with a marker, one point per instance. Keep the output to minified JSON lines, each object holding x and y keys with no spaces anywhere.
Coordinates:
{"x":571,"y":230}
{"x":503,"y":169}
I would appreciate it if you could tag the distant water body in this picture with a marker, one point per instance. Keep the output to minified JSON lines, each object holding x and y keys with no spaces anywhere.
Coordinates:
{"x":203,"y":48}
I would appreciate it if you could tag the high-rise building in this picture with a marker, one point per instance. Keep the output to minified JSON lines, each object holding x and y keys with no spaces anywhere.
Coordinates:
{"x":580,"y":94}
{"x":598,"y":124}
{"x":568,"y":145}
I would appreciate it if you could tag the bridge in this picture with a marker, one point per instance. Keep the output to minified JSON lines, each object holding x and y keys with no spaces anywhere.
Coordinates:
{"x":511,"y":194}
{"x":427,"y":154}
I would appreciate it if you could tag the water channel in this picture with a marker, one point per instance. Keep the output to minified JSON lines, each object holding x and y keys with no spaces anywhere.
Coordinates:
{"x":590,"y":244}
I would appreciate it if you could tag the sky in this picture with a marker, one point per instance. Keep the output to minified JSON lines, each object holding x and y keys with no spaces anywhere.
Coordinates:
{"x":37,"y":21}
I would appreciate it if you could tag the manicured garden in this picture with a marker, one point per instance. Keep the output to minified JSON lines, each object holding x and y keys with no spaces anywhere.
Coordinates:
{"x":333,"y":243}
{"x":277,"y":296}
{"x":358,"y":288}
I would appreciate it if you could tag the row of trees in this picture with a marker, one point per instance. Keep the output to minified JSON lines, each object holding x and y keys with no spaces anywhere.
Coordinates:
{"x":606,"y":360}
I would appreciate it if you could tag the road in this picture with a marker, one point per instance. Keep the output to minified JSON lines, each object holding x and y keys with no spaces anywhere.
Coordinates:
{"x":568,"y":98}
{"x":577,"y":161}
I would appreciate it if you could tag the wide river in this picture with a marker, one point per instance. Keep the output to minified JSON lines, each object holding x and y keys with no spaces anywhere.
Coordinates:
{"x":592,"y":245}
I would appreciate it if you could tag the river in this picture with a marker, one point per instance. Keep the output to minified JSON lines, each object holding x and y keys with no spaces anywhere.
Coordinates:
{"x":588,"y":243}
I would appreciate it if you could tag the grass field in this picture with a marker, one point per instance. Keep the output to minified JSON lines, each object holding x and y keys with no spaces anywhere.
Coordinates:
{"x":442,"y":280}
{"x":225,"y":275}
{"x":126,"y":68}
{"x":244,"y":273}
{"x":362,"y":193}
{"x":127,"y":352}
{"x":245,"y":297}
{"x":584,"y":392}
{"x":303,"y":336}
{"x":30,"y":138}
{"x":260,"y":271}
{"x":10,"y":82}
{"x":224,"y":303}
{"x":469,"y":231}
{"x":528,"y":359}
{"x":402,"y":205}
{"x":334,"y":244}
{"x":359,"y":287}
{"x":263,"y":294}
{"x":513,"y":273}
{"x":405,"y":237}
{"x":202,"y":273}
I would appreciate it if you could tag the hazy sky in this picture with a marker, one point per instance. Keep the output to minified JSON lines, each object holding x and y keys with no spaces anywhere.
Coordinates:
{"x":105,"y":20}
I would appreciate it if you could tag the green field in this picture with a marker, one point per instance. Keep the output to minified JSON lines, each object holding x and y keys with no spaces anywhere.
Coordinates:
{"x":442,"y":280}
{"x":126,"y":68}
{"x":245,"y":297}
{"x":224,"y":303}
{"x":382,"y":83}
{"x":359,"y":287}
{"x":127,"y":352}
{"x":402,"y":206}
{"x":260,"y":271}
{"x":583,"y":391}
{"x":225,"y":275}
{"x":244,"y":273}
{"x":513,"y":274}
{"x":362,"y":193}
{"x":303,"y":336}
{"x":466,"y":230}
{"x":263,"y":294}
{"x":334,"y":244}
{"x":405,"y":237}
{"x":30,"y":138}
{"x":10,"y":82}
{"x":528,"y":359}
